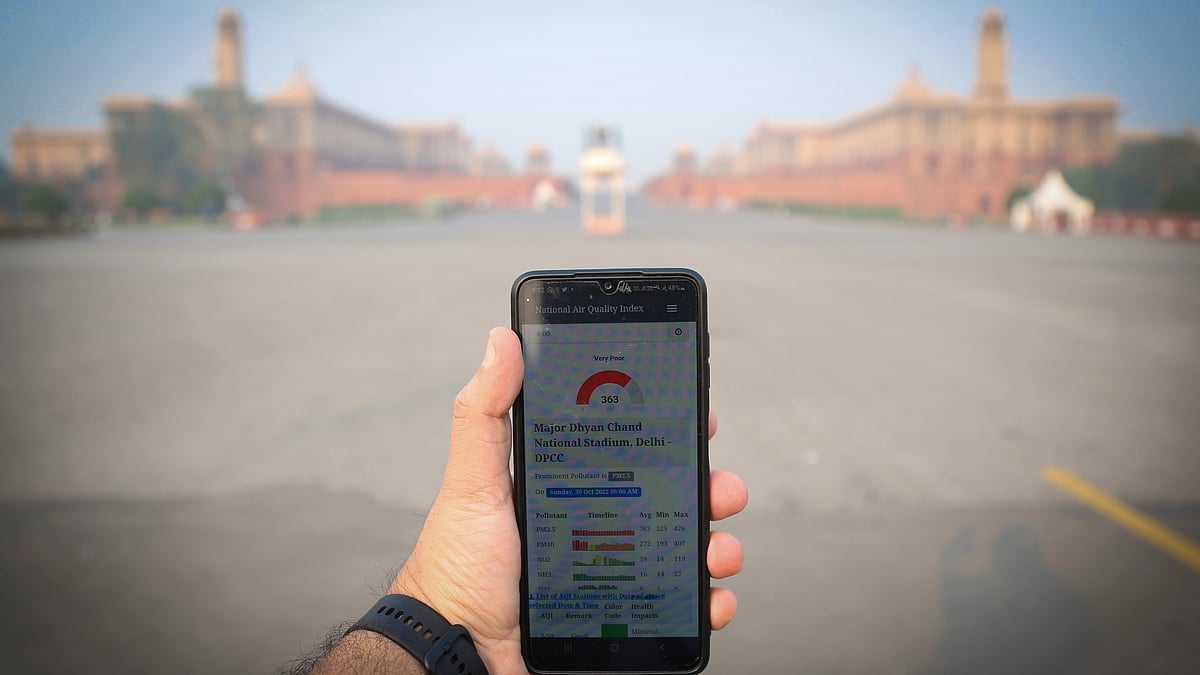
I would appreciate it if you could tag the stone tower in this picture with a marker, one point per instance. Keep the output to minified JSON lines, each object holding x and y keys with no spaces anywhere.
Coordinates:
{"x":991,"y":81}
{"x":228,"y":53}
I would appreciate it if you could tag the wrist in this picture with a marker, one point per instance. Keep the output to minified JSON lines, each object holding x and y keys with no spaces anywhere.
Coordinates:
{"x":407,"y":583}
{"x":424,"y":633}
{"x":367,"y":651}
{"x":419,"y":582}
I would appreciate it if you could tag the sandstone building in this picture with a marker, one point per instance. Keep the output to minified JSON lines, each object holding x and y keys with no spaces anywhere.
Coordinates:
{"x":291,"y":153}
{"x":922,"y":153}
{"x":54,"y":154}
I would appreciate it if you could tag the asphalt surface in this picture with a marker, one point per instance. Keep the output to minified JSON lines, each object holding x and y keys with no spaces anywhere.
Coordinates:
{"x":216,"y":445}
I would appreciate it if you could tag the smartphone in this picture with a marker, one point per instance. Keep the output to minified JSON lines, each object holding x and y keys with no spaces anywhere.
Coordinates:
{"x":610,"y":457}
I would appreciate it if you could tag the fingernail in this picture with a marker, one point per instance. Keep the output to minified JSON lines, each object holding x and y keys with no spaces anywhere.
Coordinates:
{"x":489,"y":356}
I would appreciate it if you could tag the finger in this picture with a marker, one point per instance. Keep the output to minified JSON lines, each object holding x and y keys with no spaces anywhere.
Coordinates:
{"x":722,"y":606}
{"x":480,"y":436}
{"x":712,"y":424}
{"x":727,"y":493}
{"x":725,"y":555}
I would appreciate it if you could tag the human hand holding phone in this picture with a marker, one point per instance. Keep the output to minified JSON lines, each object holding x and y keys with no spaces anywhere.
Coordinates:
{"x":467,"y":561}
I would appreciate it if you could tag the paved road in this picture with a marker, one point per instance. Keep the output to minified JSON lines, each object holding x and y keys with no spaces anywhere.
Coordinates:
{"x":197,"y":425}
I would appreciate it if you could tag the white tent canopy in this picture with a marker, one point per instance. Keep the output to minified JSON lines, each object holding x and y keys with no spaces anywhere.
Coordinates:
{"x":1052,"y":206}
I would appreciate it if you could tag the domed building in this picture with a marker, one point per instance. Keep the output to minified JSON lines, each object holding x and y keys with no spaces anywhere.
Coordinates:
{"x":290,"y":154}
{"x":921,"y":153}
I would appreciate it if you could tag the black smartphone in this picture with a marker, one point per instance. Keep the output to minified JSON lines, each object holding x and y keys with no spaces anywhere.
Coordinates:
{"x":610,"y":456}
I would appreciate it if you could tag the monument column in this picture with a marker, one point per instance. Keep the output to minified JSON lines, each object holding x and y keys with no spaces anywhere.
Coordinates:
{"x":991,"y":81}
{"x":228,"y":52}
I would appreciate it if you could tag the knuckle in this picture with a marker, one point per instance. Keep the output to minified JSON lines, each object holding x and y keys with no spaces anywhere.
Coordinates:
{"x":462,"y":408}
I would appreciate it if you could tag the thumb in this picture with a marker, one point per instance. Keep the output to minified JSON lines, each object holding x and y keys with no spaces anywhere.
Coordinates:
{"x":481,"y":434}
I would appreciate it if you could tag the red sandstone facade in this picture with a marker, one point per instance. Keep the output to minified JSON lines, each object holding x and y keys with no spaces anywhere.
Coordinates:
{"x":917,"y":184}
{"x":305,"y":193}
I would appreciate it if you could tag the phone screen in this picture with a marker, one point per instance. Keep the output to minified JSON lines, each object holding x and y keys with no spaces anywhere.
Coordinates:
{"x":611,"y":436}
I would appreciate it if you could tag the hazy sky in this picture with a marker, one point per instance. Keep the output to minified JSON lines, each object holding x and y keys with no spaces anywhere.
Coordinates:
{"x":663,"y":72}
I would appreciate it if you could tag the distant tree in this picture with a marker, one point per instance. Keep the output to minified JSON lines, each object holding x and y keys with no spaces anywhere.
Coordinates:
{"x":183,"y":151}
{"x":1019,"y":192}
{"x":141,"y":199}
{"x":1184,"y":199}
{"x":1158,"y":175}
{"x":158,"y":148}
{"x":205,"y":199}
{"x":46,"y":201}
{"x":226,"y":119}
{"x":10,"y":192}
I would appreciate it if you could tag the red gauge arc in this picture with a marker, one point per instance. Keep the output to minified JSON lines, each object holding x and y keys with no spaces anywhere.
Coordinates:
{"x":589,"y":386}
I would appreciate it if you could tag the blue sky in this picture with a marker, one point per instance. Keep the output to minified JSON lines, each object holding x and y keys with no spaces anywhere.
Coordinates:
{"x":664,"y":72}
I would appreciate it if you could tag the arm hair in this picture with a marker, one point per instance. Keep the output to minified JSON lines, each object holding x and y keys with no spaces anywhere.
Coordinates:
{"x":303,"y":664}
{"x":310,"y":659}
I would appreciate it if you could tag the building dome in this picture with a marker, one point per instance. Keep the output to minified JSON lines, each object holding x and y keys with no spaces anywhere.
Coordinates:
{"x":299,"y":89}
{"x":913,"y":87}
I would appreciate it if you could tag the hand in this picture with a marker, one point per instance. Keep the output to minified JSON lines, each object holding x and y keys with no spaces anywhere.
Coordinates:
{"x":467,"y":561}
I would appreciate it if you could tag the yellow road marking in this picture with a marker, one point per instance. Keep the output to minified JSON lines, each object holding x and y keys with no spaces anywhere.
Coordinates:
{"x":1169,"y":541}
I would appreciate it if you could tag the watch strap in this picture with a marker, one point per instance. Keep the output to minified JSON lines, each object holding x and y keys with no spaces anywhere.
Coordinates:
{"x":420,"y":630}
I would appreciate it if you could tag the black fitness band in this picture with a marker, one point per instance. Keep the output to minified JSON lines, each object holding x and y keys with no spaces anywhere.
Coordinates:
{"x":410,"y":623}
